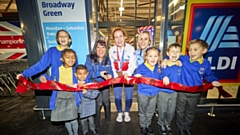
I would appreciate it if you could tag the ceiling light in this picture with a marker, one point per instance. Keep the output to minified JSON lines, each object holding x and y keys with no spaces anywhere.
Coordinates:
{"x":174,"y":2}
{"x":101,"y":33}
{"x":121,"y":8}
{"x":180,"y":8}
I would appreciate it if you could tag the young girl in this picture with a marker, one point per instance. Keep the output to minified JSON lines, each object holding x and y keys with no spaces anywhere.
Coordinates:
{"x":144,"y":42}
{"x":147,"y":95}
{"x":51,"y":57}
{"x":99,"y":67}
{"x":123,"y":61}
{"x":64,"y":104}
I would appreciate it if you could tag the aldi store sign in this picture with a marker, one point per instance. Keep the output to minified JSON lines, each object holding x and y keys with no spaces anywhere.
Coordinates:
{"x":217,"y":24}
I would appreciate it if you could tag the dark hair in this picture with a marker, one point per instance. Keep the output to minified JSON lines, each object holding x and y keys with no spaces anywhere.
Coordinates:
{"x":118,"y":29}
{"x":201,"y":42}
{"x":81,"y":67}
{"x":176,"y":45}
{"x":68,"y":50}
{"x":69,"y":36}
{"x":93,"y":55}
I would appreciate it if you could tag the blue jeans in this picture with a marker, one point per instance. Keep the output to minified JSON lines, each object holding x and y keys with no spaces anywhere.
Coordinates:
{"x":128,"y":96}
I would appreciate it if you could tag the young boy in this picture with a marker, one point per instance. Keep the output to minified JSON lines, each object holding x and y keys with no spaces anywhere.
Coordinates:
{"x":88,"y":104}
{"x":194,"y":69}
{"x":167,"y":98}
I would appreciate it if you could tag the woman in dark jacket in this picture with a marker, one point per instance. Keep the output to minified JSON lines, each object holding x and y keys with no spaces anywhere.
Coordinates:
{"x":99,"y":68}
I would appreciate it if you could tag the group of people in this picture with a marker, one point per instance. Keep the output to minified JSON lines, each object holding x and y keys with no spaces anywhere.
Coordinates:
{"x":123,"y":60}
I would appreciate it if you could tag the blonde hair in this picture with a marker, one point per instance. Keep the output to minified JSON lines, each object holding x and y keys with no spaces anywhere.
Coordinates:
{"x":149,"y":35}
{"x":159,"y":56}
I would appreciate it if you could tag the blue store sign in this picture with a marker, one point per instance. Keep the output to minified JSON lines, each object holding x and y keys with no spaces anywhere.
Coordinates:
{"x":219,"y":25}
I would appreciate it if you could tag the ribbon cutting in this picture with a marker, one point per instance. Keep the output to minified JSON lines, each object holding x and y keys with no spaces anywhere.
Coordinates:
{"x":24,"y":85}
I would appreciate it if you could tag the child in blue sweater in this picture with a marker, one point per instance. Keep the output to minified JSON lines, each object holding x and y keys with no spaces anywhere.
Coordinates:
{"x":64,"y":104}
{"x":194,"y":69}
{"x":147,"y":94}
{"x":51,"y":57}
{"x":87,"y":107}
{"x":167,"y":98}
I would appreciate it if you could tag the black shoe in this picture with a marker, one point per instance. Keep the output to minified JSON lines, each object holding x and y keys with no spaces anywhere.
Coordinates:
{"x":188,"y":132}
{"x":182,"y":132}
{"x":169,"y":130}
{"x":97,"y":131}
{"x":144,"y":131}
{"x":149,"y":131}
{"x":162,"y":130}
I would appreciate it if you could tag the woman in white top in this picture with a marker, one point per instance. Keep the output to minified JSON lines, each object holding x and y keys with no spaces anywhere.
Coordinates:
{"x":123,"y":60}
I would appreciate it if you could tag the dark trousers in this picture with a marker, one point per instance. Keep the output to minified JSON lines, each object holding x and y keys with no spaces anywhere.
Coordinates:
{"x":186,"y":108}
{"x":103,"y":99}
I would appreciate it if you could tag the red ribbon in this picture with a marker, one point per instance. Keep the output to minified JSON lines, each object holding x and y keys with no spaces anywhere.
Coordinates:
{"x":24,"y":85}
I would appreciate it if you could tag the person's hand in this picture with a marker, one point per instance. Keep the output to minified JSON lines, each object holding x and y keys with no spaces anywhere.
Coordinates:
{"x":164,"y":63}
{"x":125,"y":75}
{"x":108,"y":76}
{"x":43,"y":79}
{"x":216,"y":83}
{"x":120,"y":73}
{"x":103,"y":74}
{"x":179,"y":63}
{"x":84,"y":91}
{"x":166,"y":80}
{"x":18,"y":76}
{"x":138,"y":75}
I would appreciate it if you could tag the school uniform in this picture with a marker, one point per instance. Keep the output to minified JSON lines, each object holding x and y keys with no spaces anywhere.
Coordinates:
{"x":64,"y":105}
{"x":147,"y":94}
{"x":87,"y":110}
{"x":166,"y":97}
{"x":192,"y":74}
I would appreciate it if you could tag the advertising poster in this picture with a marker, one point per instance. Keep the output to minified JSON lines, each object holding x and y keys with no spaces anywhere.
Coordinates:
{"x":68,"y":15}
{"x":11,"y":41}
{"x":216,"y":22}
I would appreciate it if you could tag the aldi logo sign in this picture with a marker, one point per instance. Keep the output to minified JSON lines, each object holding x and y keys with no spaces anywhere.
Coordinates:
{"x":219,"y":25}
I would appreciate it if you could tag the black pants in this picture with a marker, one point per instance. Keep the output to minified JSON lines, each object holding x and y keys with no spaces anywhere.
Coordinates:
{"x":103,"y":100}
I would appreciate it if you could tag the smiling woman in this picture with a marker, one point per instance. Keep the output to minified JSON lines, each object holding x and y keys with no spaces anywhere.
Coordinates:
{"x":99,"y":67}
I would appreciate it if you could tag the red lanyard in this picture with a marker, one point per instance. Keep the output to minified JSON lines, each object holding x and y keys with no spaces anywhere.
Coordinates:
{"x":118,"y":57}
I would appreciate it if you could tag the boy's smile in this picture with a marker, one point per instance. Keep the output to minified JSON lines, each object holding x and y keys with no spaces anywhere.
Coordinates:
{"x":81,"y":74}
{"x":174,"y":53}
{"x":196,"y":51}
